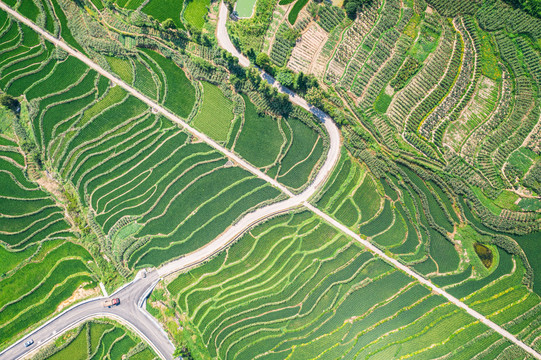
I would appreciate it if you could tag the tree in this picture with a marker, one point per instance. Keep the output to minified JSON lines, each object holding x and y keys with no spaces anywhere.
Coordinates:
{"x":351,"y":9}
{"x":230,"y":5}
{"x":183,"y":351}
{"x":291,"y":35}
{"x":283,"y":104}
{"x":300,"y":82}
{"x":251,"y":54}
{"x":533,"y":178}
{"x":532,"y":7}
{"x":315,"y":97}
{"x":110,"y":4}
{"x":263,"y":61}
{"x":304,"y":82}
{"x":169,"y":24}
{"x":286,"y":78}
{"x":203,"y":64}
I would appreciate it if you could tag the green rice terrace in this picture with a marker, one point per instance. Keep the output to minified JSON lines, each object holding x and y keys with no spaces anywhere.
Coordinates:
{"x":270,"y":179}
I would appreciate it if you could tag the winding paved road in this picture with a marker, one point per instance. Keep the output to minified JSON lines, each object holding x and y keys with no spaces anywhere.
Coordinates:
{"x":134,"y":294}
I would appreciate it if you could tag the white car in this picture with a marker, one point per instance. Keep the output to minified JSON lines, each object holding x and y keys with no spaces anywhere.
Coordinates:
{"x":28,"y":343}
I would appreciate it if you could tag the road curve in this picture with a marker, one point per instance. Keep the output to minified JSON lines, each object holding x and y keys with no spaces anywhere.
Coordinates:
{"x":251,"y":219}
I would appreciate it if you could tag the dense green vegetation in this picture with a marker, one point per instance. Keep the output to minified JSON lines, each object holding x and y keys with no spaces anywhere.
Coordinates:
{"x":294,"y":13}
{"x":156,"y":172}
{"x":195,"y":12}
{"x":40,"y":267}
{"x":179,"y":92}
{"x":165,"y":9}
{"x":287,"y":149}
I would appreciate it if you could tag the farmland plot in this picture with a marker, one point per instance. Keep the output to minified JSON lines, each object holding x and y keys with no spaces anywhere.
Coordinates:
{"x":296,"y":288}
{"x":130,"y":166}
{"x":157,"y":174}
{"x":424,"y":241}
{"x":180,"y":94}
{"x":307,"y":50}
{"x":293,"y":287}
{"x":399,"y":218}
{"x":195,"y":12}
{"x":432,"y":83}
{"x":165,"y":9}
{"x":288,"y":149}
{"x":216,"y":113}
{"x":424,"y":82}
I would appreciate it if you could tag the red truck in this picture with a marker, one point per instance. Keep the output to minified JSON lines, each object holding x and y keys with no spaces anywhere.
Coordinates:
{"x":111,"y":302}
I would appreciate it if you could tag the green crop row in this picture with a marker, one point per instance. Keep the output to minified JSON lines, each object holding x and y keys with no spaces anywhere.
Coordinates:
{"x":32,"y":215}
{"x":180,"y":93}
{"x":216,"y":114}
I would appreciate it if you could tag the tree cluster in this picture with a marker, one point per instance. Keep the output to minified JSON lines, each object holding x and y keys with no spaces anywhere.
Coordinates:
{"x":532,"y":7}
{"x":184,"y":352}
{"x":169,"y":24}
{"x":533,"y":178}
{"x":353,"y":7}
{"x":11,"y":103}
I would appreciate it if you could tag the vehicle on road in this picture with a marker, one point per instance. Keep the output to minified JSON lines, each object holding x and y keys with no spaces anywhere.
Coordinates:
{"x":111,"y":302}
{"x":29,"y":343}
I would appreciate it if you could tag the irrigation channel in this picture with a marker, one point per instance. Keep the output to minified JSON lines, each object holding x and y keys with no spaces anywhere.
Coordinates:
{"x":131,"y":312}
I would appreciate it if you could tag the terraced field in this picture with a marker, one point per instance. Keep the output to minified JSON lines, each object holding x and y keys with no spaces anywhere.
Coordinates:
{"x":163,"y":10}
{"x":450,"y":83}
{"x":439,"y":108}
{"x":216,"y":114}
{"x":133,"y":170}
{"x":196,"y":12}
{"x":98,"y":339}
{"x":296,"y":288}
{"x":411,"y":218}
{"x":455,"y":89}
{"x":416,"y":221}
{"x":41,"y":267}
{"x":157,"y":172}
